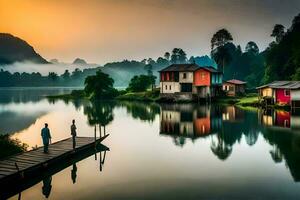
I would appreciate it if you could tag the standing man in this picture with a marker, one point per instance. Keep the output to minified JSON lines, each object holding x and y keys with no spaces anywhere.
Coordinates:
{"x":46,"y":137}
{"x":73,"y":133}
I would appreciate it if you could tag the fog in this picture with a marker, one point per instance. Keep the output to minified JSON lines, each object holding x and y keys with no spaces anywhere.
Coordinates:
{"x":44,"y":69}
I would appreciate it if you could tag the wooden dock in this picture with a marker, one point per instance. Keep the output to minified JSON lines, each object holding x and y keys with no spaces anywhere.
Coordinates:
{"x":20,"y":167}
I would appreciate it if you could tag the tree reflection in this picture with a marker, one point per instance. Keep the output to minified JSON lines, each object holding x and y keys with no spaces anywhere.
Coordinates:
{"x":286,"y":146}
{"x":99,"y":112}
{"x":142,"y":111}
{"x":220,"y":148}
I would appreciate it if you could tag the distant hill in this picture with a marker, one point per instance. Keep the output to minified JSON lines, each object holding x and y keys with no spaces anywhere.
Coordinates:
{"x":14,"y":49}
{"x":54,"y":61}
{"x":79,"y":61}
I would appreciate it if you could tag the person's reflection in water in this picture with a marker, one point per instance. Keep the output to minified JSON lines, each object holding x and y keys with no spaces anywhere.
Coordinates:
{"x":47,"y":186}
{"x":74,"y":173}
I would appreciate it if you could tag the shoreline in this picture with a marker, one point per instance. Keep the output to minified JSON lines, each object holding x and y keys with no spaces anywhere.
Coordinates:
{"x":249,"y":101}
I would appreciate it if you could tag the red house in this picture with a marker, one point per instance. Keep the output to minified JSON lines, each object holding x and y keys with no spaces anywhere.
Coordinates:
{"x":283,"y":96}
{"x":281,"y":92}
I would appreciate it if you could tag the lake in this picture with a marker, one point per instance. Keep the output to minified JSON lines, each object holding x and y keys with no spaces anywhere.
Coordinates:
{"x":166,"y":151}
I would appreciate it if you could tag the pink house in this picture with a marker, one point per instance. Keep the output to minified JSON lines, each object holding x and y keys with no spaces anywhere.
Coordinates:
{"x":281,"y":92}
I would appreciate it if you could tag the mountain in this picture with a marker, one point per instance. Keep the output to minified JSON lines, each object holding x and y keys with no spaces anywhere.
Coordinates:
{"x":79,"y":61}
{"x":14,"y":49}
{"x":54,"y":61}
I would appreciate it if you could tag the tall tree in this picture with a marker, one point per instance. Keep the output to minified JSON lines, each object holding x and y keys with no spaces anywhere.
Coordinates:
{"x":162,"y":62}
{"x":252,"y":47}
{"x":219,"y":52}
{"x":278,"y":32}
{"x":220,"y":38}
{"x":178,"y":56}
{"x":222,"y":57}
{"x":167,"y":56}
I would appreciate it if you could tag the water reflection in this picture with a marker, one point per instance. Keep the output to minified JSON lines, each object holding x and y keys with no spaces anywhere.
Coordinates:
{"x":226,"y":141}
{"x":46,"y":177}
{"x":224,"y":125}
{"x":142,"y":111}
{"x":27,"y":94}
{"x":182,"y":121}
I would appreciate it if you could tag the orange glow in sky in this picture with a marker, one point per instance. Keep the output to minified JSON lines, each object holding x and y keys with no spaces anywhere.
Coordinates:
{"x":109,"y":30}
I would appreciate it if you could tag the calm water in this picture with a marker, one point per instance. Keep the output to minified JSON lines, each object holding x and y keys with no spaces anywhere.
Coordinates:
{"x":184,"y":151}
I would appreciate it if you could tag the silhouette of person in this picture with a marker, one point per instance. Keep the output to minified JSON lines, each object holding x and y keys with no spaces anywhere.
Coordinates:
{"x":73,"y":133}
{"x":46,"y":189}
{"x":74,"y":173}
{"x":46,"y":137}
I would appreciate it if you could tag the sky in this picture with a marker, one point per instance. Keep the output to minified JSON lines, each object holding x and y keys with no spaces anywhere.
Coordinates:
{"x":101,"y":31}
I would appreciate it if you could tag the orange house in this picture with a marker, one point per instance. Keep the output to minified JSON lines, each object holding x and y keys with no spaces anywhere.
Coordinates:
{"x":207,"y":82}
{"x":202,"y":77}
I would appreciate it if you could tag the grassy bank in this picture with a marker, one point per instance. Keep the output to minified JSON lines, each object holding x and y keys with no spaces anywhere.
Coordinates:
{"x":140,"y":96}
{"x":123,"y":95}
{"x":250,"y":100}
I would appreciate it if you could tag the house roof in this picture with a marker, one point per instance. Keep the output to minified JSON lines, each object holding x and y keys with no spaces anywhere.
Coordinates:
{"x":180,"y":68}
{"x":236,"y":82}
{"x":187,"y":68}
{"x":282,"y":85}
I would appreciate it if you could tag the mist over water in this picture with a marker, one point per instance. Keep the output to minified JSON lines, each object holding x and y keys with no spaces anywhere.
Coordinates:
{"x":44,"y":69}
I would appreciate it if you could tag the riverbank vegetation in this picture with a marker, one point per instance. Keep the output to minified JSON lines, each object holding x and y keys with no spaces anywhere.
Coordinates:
{"x":10,"y":146}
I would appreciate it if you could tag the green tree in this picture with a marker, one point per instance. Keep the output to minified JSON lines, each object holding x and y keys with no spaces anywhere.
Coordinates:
{"x":252,"y":47}
{"x":76,"y":73}
{"x":278,"y":32}
{"x":167,"y":56}
{"x":178,"y":56}
{"x":100,"y":86}
{"x":222,"y":57}
{"x":162,"y":62}
{"x":140,"y":83}
{"x":219,"y":51}
{"x":66,"y":75}
{"x":53,"y":76}
{"x":283,"y":58}
{"x":220,"y":38}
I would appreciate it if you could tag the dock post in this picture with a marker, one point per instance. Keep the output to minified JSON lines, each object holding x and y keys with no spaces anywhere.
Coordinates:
{"x":95,"y":132}
{"x":100,"y":130}
{"x":18,"y":169}
{"x":100,"y":161}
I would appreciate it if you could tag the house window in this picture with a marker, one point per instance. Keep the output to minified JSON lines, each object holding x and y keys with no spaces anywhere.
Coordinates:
{"x":287,"y":93}
{"x":202,"y":75}
{"x":170,"y":87}
{"x":166,"y":87}
{"x":286,"y":123}
{"x":184,"y":75}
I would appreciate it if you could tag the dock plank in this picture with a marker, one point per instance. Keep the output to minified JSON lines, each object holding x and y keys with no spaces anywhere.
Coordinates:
{"x":35,"y":158}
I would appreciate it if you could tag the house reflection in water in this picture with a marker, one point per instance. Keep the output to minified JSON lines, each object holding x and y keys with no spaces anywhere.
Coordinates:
{"x":283,"y":133}
{"x":275,"y":118}
{"x":232,"y":114}
{"x":189,"y":120}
